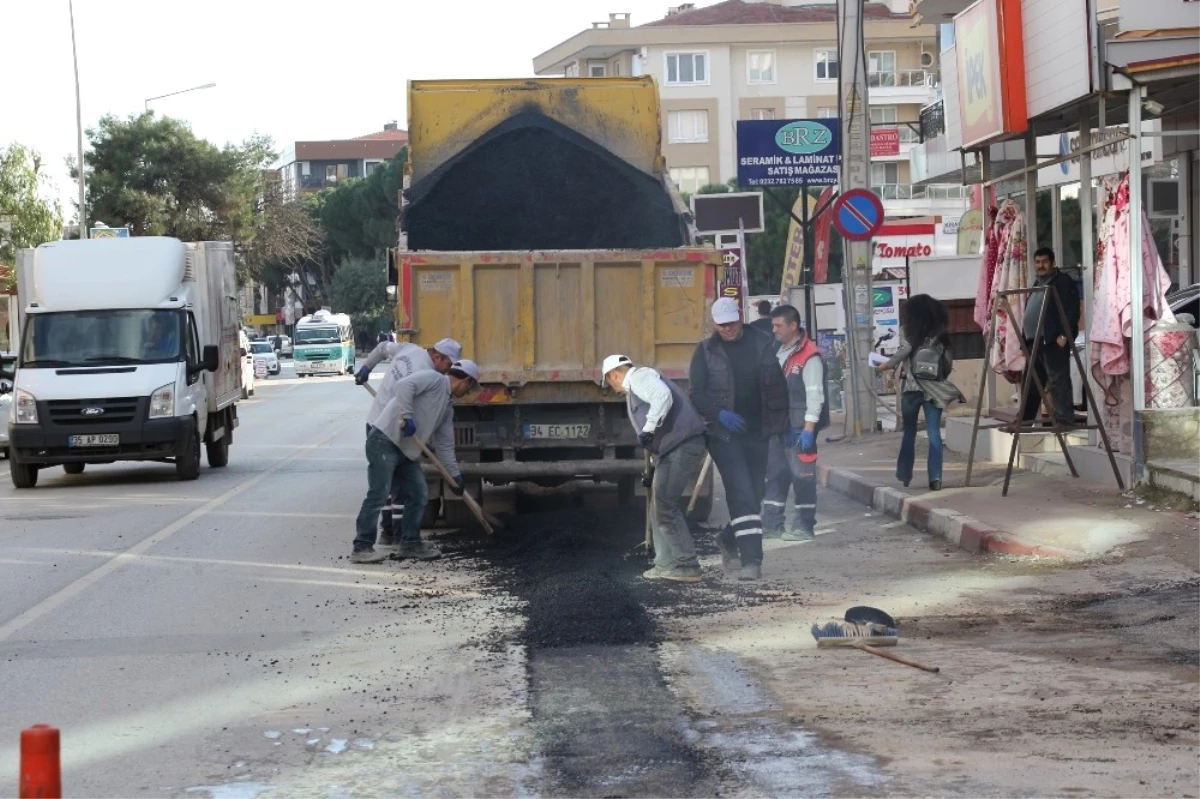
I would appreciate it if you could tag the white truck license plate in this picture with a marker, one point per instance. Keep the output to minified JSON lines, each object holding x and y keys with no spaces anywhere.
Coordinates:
{"x":557,"y":430}
{"x":101,"y":440}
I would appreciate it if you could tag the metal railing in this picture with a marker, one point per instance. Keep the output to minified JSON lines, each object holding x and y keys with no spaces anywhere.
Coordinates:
{"x":905,"y":78}
{"x":933,"y":120}
{"x":935,"y":191}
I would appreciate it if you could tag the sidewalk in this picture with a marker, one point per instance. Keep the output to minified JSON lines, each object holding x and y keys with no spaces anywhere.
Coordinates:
{"x":1042,"y":515}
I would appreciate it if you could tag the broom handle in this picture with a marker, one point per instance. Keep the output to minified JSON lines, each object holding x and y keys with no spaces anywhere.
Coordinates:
{"x":898,"y":658}
{"x":699,"y":482}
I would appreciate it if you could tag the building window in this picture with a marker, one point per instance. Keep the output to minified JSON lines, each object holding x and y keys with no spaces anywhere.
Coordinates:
{"x":760,"y":66}
{"x":687,"y":127}
{"x":827,"y":64}
{"x":827,"y":113}
{"x":572,"y":70}
{"x":370,"y":166}
{"x":884,"y":115}
{"x":881,"y":68}
{"x":689,"y":179}
{"x":762,"y":113}
{"x":305,"y":168}
{"x":596,"y":71}
{"x":335,"y":173}
{"x":885,"y":174}
{"x":687,"y":69}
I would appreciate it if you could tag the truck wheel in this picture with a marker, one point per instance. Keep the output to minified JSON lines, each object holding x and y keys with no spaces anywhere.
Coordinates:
{"x":73,"y":468}
{"x":218,"y":452}
{"x":455,"y":512}
{"x":187,"y":462}
{"x":23,"y":475}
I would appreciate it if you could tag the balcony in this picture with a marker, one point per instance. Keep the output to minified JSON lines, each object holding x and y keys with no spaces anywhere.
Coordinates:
{"x":933,"y":120}
{"x":907,"y":199}
{"x":915,"y":86}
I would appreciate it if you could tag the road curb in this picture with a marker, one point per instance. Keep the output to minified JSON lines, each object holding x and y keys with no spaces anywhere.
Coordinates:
{"x":963,"y":531}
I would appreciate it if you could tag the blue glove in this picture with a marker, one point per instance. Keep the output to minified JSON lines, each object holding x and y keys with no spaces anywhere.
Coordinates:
{"x":733,"y":422}
{"x":408,"y":428}
{"x":645,"y":439}
{"x":808,"y":441}
{"x":458,"y":486}
{"x":791,"y":439}
{"x":362,"y":376}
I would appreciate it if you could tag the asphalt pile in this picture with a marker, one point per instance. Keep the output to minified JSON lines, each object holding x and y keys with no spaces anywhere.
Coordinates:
{"x":532,"y":183}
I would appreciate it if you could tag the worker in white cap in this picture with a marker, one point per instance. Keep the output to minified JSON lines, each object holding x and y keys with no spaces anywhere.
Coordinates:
{"x":668,"y":426}
{"x":737,"y":386}
{"x":405,"y":358}
{"x":422,"y":410}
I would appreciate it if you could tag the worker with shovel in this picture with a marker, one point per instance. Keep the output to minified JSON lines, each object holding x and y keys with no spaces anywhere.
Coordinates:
{"x":421,"y":411}
{"x":405,"y":358}
{"x":669,"y":427}
{"x":792,"y":457}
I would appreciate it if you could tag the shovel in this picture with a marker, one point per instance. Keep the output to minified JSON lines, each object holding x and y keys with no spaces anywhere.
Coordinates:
{"x":485,"y":519}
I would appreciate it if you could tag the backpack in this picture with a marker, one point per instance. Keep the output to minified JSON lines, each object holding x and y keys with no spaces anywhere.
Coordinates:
{"x":929,"y":361}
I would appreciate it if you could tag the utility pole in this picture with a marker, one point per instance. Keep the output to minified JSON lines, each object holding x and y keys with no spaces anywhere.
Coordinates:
{"x":83,"y":228}
{"x":855,"y":174}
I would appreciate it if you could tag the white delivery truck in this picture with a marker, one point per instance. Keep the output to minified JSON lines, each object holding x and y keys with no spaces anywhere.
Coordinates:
{"x":129,"y":351}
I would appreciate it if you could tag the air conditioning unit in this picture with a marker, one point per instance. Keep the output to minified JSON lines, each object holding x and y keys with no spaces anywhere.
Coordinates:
{"x":926,"y":60}
{"x":1164,"y":198}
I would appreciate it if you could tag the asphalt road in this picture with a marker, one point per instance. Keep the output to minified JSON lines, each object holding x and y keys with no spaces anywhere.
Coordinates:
{"x":212,"y":639}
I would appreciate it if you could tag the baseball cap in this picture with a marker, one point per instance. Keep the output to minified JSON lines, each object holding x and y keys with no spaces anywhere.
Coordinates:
{"x":612,"y":362}
{"x":726,"y":310}
{"x":466,"y":369}
{"x":450,"y":348}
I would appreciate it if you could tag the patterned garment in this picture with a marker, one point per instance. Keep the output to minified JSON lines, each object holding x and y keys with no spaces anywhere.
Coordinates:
{"x":1011,"y":253}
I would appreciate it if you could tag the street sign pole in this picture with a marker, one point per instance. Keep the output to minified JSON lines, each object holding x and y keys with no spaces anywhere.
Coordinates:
{"x":855,"y":174}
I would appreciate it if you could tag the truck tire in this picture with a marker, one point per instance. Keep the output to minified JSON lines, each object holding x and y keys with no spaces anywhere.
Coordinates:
{"x":218,"y":452}
{"x":23,"y":475}
{"x":187,"y":462}
{"x":73,"y":468}
{"x":455,"y":512}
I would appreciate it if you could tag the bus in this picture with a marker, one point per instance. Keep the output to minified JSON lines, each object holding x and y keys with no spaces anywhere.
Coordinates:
{"x":323,"y":345}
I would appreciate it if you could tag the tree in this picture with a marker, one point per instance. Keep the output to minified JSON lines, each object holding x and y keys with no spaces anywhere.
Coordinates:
{"x":287,"y":240}
{"x":359,"y":288}
{"x":359,"y":216}
{"x":26,"y":219}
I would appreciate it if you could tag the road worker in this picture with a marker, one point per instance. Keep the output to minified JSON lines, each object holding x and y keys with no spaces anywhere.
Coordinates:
{"x":669,"y":427}
{"x":405,"y":358}
{"x":738,"y":387}
{"x":421,"y":410}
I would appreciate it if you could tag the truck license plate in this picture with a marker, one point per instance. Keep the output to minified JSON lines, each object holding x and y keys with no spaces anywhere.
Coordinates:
{"x":101,"y":440}
{"x":558,"y":430}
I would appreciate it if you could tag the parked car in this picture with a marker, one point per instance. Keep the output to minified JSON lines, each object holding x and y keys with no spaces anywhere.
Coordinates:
{"x":8,"y":371}
{"x":263,"y":351}
{"x":247,"y":365}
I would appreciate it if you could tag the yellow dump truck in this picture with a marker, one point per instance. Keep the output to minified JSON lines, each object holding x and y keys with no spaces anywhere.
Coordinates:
{"x":539,"y":229}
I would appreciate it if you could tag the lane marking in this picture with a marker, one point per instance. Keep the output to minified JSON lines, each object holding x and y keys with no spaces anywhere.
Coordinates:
{"x":73,"y":589}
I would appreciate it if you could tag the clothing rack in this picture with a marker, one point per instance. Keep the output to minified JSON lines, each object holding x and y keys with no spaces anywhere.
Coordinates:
{"x":1003,"y":303}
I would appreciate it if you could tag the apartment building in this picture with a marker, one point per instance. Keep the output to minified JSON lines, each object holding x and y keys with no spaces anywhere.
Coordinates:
{"x":314,"y":165}
{"x":768,"y":59}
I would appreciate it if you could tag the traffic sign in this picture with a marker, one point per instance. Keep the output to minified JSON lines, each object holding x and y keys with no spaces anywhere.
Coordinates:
{"x":858,"y":214}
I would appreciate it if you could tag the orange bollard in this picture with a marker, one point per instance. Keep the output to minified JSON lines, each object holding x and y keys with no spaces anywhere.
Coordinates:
{"x":41,"y":772}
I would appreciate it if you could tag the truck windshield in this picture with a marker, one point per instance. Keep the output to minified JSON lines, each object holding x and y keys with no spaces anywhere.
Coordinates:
{"x":95,"y":338}
{"x":317,"y":335}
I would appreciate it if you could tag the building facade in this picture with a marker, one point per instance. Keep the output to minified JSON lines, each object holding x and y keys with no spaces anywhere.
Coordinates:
{"x":315,"y":165}
{"x":772,"y":59}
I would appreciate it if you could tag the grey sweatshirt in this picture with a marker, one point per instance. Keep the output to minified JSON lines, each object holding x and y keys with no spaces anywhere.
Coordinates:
{"x":423,"y":397}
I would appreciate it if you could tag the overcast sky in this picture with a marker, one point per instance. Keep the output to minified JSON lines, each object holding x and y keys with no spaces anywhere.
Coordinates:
{"x":325,"y":70}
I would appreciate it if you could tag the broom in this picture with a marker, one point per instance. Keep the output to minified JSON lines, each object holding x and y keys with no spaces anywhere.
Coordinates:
{"x":867,"y":637}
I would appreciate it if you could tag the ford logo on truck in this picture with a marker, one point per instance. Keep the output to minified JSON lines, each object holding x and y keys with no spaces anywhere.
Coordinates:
{"x":804,"y":137}
{"x":92,"y":411}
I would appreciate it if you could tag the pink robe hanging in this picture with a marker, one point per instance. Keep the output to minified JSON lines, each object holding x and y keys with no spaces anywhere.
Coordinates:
{"x":1011,"y":254}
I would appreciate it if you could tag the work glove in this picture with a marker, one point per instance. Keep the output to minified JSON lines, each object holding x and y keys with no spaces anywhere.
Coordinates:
{"x":808,"y":441}
{"x":791,"y":439}
{"x":645,"y":439}
{"x":458,"y":486}
{"x":733,"y":422}
{"x":362,"y":376}
{"x":648,"y":479}
{"x":408,"y":428}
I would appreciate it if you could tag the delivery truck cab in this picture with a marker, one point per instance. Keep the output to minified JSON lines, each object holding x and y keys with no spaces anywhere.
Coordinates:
{"x":128,"y":351}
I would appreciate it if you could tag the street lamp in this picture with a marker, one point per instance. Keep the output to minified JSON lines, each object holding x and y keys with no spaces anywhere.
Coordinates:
{"x":181,"y":91}
{"x":83,"y":231}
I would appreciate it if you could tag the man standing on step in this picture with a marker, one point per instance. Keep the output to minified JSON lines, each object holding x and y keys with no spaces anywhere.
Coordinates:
{"x":792,"y":459}
{"x":1053,"y":365}
{"x":422,"y":411}
{"x":737,"y":386}
{"x":405,"y":359}
{"x":669,"y":427}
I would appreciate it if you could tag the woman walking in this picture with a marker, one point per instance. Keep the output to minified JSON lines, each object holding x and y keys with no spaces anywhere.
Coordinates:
{"x":927,"y":361}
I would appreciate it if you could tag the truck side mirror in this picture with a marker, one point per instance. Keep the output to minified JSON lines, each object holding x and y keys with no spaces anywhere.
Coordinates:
{"x":211,"y":360}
